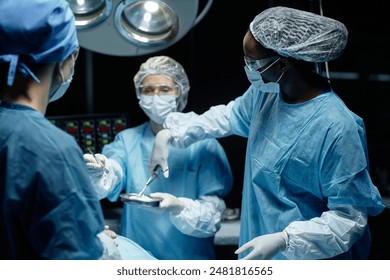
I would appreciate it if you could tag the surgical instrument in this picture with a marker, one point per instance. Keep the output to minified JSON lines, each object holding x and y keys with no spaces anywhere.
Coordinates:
{"x":98,"y":161}
{"x":150,"y":180}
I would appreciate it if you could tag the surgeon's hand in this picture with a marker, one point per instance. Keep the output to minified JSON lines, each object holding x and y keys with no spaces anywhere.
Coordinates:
{"x":95,"y":168}
{"x":264,"y":247}
{"x":160,"y":153}
{"x":110,"y":245}
{"x":169,"y":202}
{"x":110,"y":232}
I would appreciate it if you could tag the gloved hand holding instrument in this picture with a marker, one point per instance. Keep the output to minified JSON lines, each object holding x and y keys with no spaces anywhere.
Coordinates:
{"x":156,"y":171}
{"x":104,"y":172}
{"x":96,"y":163}
{"x":160,"y":152}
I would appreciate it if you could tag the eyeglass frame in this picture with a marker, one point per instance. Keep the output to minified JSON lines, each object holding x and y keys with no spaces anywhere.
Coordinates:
{"x":75,"y":54}
{"x":259,"y":63}
{"x":169,"y":91}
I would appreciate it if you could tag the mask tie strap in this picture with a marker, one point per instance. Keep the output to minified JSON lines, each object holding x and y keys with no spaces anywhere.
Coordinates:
{"x":280,"y":77}
{"x":268,"y":67}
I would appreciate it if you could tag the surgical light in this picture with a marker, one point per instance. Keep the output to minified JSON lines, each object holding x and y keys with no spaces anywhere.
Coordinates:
{"x":90,"y":12}
{"x":134,"y":27}
{"x":148,"y":22}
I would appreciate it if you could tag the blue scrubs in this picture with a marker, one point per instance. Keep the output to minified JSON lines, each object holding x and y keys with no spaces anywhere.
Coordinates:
{"x":306,"y":171}
{"x":49,"y":209}
{"x":301,"y":160}
{"x":200,"y":170}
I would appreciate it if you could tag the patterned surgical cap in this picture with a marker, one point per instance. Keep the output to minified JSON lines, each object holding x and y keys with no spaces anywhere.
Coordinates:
{"x":299,"y":34}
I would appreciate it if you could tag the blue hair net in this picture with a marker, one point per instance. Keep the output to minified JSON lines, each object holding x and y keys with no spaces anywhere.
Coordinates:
{"x":39,"y":31}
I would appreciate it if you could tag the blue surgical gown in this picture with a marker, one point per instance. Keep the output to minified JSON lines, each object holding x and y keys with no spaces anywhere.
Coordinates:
{"x":302,"y":160}
{"x":200,"y":170}
{"x":49,"y":209}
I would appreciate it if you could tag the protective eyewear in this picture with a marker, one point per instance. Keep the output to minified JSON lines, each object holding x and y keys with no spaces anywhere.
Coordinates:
{"x":75,"y":54}
{"x":160,"y":89}
{"x":254,"y":64}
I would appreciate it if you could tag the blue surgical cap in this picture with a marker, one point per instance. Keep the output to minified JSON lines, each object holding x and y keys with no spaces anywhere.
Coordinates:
{"x":36,"y":31}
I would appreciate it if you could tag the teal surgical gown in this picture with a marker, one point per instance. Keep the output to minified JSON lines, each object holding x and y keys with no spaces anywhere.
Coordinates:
{"x":302,"y":160}
{"x":49,"y":209}
{"x":201,"y":170}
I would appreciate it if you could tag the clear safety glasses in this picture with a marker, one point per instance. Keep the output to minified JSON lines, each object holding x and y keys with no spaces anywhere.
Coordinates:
{"x":75,"y":54}
{"x":254,"y":64}
{"x":160,"y":89}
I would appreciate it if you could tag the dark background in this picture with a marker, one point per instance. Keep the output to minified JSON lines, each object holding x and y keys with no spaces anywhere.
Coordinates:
{"x":212,"y":55}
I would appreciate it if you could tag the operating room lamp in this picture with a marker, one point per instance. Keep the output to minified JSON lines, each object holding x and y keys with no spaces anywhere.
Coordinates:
{"x":134,"y":27}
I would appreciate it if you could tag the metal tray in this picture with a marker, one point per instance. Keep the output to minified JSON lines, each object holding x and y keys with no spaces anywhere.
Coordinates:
{"x":143,"y":200}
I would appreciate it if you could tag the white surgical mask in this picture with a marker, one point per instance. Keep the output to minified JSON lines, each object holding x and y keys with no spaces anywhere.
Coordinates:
{"x":59,"y":92}
{"x":157,"y":107}
{"x":257,"y":80}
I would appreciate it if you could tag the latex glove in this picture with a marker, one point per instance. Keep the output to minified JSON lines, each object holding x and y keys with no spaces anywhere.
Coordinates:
{"x":264,"y":247}
{"x":160,"y":153}
{"x":95,"y":169}
{"x":169,"y":202}
{"x":104,"y":173}
{"x":109,"y":232}
{"x":110,"y":246}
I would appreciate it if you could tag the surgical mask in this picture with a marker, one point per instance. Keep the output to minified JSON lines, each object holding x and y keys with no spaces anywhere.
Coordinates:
{"x":257,"y":81}
{"x":65,"y":84}
{"x":158,"y":107}
{"x":62,"y":89}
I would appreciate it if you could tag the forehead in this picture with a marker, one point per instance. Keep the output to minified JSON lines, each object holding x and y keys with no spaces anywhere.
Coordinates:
{"x":254,"y":49}
{"x":157,"y":79}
